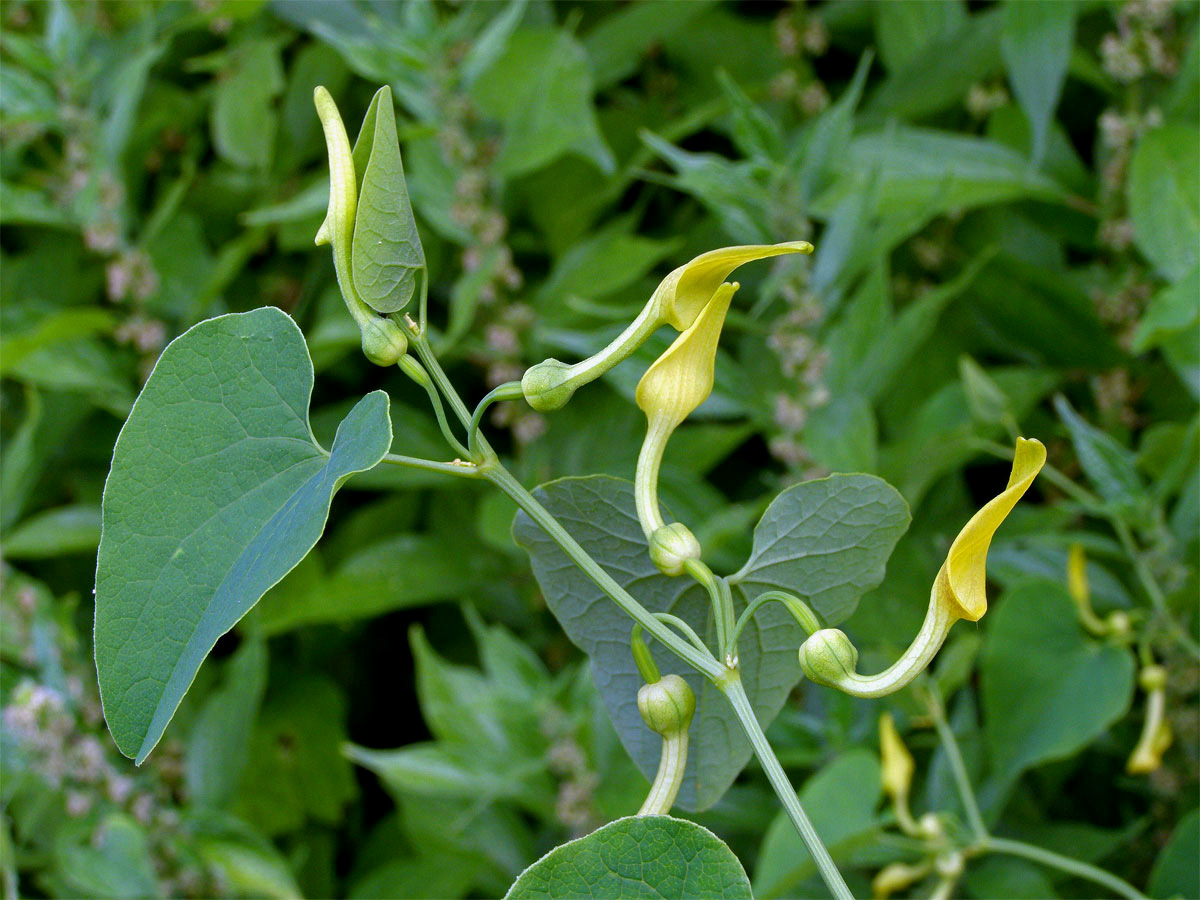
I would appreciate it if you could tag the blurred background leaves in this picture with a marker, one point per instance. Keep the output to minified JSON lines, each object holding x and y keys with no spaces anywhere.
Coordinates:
{"x":1004,"y":202}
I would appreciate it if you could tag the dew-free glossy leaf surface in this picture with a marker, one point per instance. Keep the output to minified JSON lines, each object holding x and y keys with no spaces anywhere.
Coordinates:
{"x":386,"y":255}
{"x":217,"y":490}
{"x":651,"y":857}
{"x":826,"y":540}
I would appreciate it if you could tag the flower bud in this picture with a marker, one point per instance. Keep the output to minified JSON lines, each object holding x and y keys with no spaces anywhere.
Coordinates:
{"x":1118,"y":623}
{"x":545,"y":385}
{"x":383,"y":341}
{"x":930,"y":826}
{"x":667,"y":705}
{"x":896,"y":877}
{"x":671,"y":546}
{"x":828,"y":657}
{"x":897,"y":769}
{"x":1153,"y":678}
{"x":949,"y":865}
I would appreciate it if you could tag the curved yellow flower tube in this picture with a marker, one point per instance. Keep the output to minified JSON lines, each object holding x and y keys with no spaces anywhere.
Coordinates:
{"x":677,"y":301}
{"x":958,"y":592}
{"x":678,"y":381}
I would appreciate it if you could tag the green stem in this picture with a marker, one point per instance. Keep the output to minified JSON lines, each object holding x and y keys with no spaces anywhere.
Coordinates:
{"x":801,"y":612}
{"x":736,"y":694}
{"x":957,"y":767}
{"x":1063,"y":864}
{"x":669,"y":777}
{"x":510,"y":390}
{"x":721,"y":599}
{"x":462,"y":470}
{"x":687,"y":630}
{"x":504,"y":480}
{"x":413,"y":370}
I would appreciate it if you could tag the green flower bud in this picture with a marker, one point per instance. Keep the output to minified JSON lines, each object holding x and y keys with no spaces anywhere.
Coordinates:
{"x":383,"y":341}
{"x":667,"y":706}
{"x":671,"y":546}
{"x":828,"y":657}
{"x":1118,"y":623}
{"x":949,"y":865}
{"x":545,"y":385}
{"x":1153,"y":678}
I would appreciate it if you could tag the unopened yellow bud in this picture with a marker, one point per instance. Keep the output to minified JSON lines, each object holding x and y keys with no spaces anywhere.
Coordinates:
{"x":1156,"y":734}
{"x":896,"y":877}
{"x":897,"y":767}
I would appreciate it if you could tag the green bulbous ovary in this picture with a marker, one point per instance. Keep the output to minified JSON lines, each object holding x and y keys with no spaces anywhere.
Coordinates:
{"x":828,"y":657}
{"x":671,"y":546}
{"x":667,"y":705}
{"x":383,"y":340}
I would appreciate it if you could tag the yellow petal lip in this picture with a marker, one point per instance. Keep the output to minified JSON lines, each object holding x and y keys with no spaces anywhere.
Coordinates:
{"x":682,"y":378}
{"x":961,"y":582}
{"x":686,"y":291}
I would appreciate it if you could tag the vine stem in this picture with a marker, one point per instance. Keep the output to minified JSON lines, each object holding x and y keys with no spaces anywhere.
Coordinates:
{"x":1063,"y":864}
{"x":725,"y":677}
{"x":732,"y":687}
{"x":987,"y":843}
{"x":958,"y":768}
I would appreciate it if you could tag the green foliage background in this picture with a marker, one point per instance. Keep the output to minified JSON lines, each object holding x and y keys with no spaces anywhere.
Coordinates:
{"x":1004,"y":200}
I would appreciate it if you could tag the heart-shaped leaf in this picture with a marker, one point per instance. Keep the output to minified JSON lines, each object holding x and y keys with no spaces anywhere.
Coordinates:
{"x":826,"y":540}
{"x":638,"y":857}
{"x":217,"y":490}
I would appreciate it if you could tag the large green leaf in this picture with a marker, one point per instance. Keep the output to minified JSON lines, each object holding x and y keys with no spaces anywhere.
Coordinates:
{"x":651,"y":857}
{"x":386,"y":254}
{"x":1036,"y":44}
{"x":217,"y":490}
{"x":1175,"y":873}
{"x":1164,"y":198}
{"x":1048,"y":688}
{"x":923,"y":170}
{"x":826,"y":540}
{"x":540,"y":89}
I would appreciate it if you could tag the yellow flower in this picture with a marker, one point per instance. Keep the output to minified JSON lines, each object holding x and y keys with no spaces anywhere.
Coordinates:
{"x":1156,"y":734}
{"x":677,"y":301}
{"x":958,"y":593}
{"x":681,"y":296}
{"x":678,"y":381}
{"x":966,"y":565}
